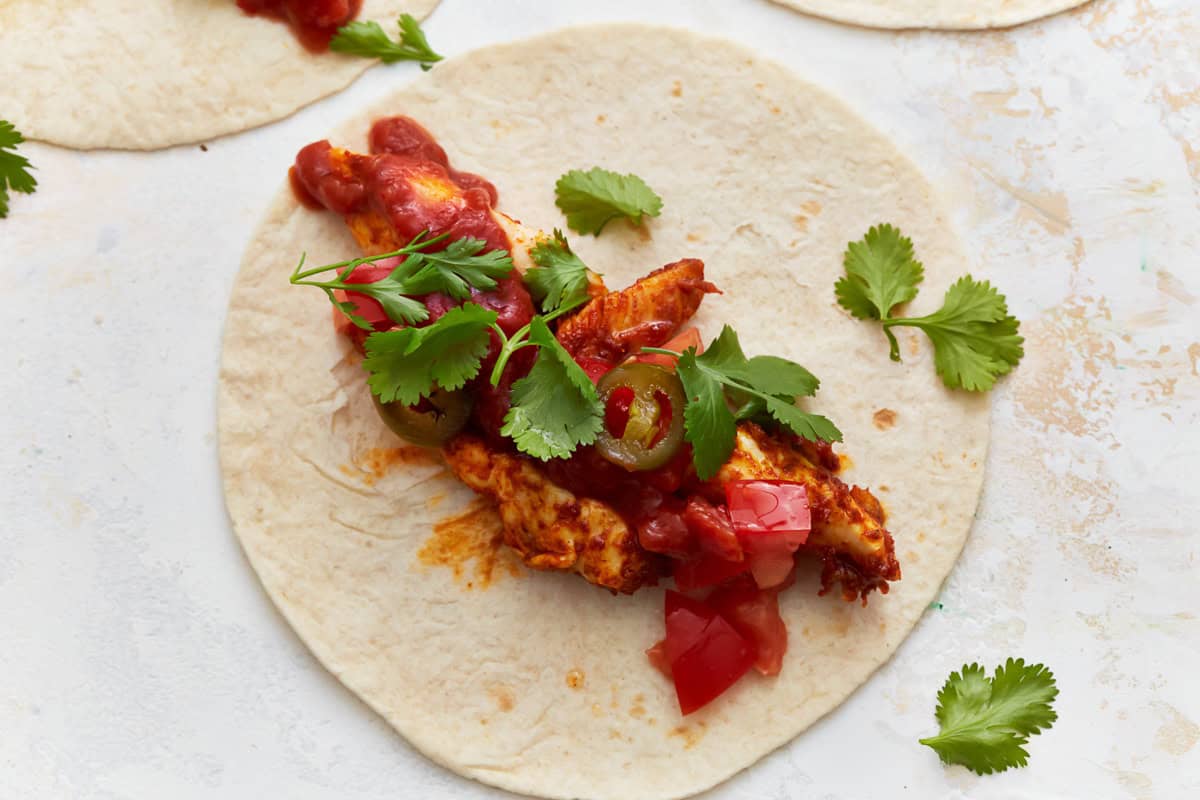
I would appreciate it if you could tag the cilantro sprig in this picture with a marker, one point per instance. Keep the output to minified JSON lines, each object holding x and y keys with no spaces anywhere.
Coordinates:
{"x":454,"y":270}
{"x":975,"y":339}
{"x":986,"y":722}
{"x":14,"y":168}
{"x":560,"y":277}
{"x":596,"y":197}
{"x":368,"y":39}
{"x":724,"y":387}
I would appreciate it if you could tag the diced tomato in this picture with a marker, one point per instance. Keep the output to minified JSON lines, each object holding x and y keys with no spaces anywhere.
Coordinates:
{"x":754,"y":612}
{"x":712,"y":528}
{"x":705,"y":570}
{"x":658,"y":658}
{"x":769,"y":507}
{"x":594,"y":367}
{"x":663,"y":531}
{"x":706,"y":653}
{"x":772,"y":520}
{"x":669,"y":477}
{"x":770,"y":557}
{"x":679,"y":343}
{"x":616,"y":410}
{"x":366,"y":307}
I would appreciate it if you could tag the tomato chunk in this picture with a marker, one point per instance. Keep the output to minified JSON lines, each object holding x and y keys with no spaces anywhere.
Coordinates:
{"x":754,"y":612}
{"x":772,"y":520}
{"x":706,"y":653}
{"x":680,"y":342}
{"x":705,"y":570}
{"x":712,"y":528}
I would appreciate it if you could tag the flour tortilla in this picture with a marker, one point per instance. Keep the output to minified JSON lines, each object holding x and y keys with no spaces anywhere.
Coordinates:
{"x":950,"y":14}
{"x":141,"y":75}
{"x":478,"y":678}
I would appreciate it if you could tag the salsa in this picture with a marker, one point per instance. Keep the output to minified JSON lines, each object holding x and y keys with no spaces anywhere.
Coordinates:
{"x":313,"y":21}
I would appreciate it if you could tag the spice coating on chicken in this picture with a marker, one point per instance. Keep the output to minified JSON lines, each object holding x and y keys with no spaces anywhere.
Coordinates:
{"x":547,"y":525}
{"x":645,"y":314}
{"x":848,"y":530}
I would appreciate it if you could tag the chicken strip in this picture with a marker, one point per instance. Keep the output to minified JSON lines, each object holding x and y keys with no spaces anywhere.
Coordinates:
{"x":646,"y":314}
{"x":547,"y":525}
{"x":847,"y":522}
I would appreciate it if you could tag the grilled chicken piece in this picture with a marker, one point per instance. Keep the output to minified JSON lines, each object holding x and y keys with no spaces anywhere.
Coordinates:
{"x":847,"y":522}
{"x":551,"y":528}
{"x":646,"y":314}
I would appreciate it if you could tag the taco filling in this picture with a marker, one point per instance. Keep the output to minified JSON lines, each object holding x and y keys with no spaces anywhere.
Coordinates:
{"x":314,"y":22}
{"x":612,"y":442}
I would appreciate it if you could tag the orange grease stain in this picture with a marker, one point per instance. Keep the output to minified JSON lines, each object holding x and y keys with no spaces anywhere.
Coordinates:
{"x":474,"y":536}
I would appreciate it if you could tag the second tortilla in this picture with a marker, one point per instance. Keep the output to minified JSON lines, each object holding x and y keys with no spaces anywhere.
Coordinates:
{"x":537,"y":682}
{"x":137,"y":75}
{"x":949,"y":14}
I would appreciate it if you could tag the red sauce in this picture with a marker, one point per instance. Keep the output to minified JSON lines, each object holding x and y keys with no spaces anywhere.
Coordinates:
{"x":313,"y":21}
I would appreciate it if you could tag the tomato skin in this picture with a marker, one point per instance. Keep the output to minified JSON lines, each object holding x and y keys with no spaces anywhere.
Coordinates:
{"x":595,"y":368}
{"x":663,"y":531}
{"x":705,"y":570}
{"x":706,"y":653}
{"x":680,"y":342}
{"x":754,"y":613}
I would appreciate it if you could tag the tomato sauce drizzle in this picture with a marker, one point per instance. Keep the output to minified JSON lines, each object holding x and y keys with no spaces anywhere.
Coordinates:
{"x":314,"y":22}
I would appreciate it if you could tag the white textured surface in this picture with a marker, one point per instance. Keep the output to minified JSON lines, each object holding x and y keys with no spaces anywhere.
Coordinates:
{"x":142,"y":660}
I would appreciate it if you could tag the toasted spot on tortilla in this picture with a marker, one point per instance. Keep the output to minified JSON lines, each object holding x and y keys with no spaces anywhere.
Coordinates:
{"x":503,"y":695}
{"x":677,"y":89}
{"x":638,"y":709}
{"x":690,"y":734}
{"x":575,"y":678}
{"x":884,"y":418}
{"x":475,"y":535}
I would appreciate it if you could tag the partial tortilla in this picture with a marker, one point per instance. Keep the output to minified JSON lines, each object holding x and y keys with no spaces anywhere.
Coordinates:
{"x":949,"y":14}
{"x":138,"y":75}
{"x":537,"y":682}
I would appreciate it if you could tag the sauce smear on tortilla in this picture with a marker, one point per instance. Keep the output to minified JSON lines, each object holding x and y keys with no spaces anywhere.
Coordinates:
{"x":313,"y":21}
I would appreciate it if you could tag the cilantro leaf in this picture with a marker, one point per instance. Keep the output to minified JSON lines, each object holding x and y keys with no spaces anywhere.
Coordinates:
{"x":555,"y":407}
{"x":367,"y":39}
{"x":881,"y":273}
{"x":560,"y":277}
{"x":975,"y":339}
{"x":986,"y":723}
{"x":14,"y":168}
{"x":454,"y":270}
{"x":708,"y":424}
{"x":764,"y":384}
{"x":405,"y":364}
{"x":594,"y":198}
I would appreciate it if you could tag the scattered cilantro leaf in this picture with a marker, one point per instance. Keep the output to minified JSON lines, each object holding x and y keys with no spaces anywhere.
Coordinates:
{"x":975,"y":339}
{"x":594,"y":198}
{"x":986,"y":723}
{"x":405,"y":364}
{"x":14,"y":168}
{"x":367,"y":39}
{"x":764,"y":384}
{"x":560,"y":277}
{"x":881,"y":273}
{"x":455,"y":270}
{"x":555,"y":407}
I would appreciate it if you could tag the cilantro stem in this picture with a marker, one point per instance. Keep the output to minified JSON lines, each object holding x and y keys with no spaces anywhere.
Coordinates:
{"x":661,"y":351}
{"x":418,"y":243}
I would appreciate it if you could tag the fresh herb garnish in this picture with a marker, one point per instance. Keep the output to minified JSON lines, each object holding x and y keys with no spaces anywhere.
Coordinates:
{"x":594,"y":198}
{"x":763,"y":388}
{"x":454,"y":271}
{"x":14,"y":168}
{"x":986,"y":722}
{"x":975,"y":339}
{"x":406,"y":363}
{"x":555,"y":408}
{"x":367,"y":39}
{"x":560,"y":277}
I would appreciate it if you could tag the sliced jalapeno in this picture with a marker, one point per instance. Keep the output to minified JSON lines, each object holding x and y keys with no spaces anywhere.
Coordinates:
{"x":643,"y":416}
{"x":430,"y":422}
